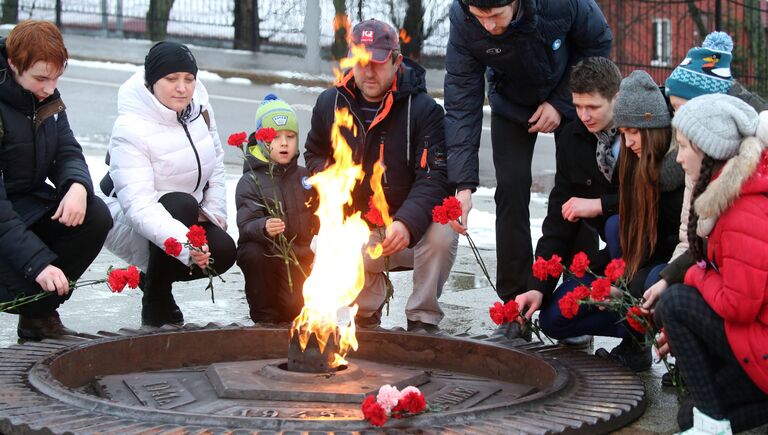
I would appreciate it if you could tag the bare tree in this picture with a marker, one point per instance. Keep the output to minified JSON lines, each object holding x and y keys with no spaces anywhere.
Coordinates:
{"x":157,"y":19}
{"x":246,"y":25}
{"x":341,"y":28}
{"x":10,"y":12}
{"x":420,"y":20}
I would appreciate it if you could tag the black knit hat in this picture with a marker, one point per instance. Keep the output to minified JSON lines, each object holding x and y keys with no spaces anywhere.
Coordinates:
{"x":165,"y":58}
{"x":487,"y":4}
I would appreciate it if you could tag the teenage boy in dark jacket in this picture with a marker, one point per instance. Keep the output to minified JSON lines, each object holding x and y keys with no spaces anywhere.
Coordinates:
{"x":396,"y":119}
{"x":49,"y":234}
{"x":525,"y":49}
{"x":586,"y":181}
{"x":270,"y":297}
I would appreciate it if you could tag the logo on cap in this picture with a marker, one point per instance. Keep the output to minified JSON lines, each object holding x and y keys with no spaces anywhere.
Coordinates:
{"x":366,"y":37}
{"x":280,"y":120}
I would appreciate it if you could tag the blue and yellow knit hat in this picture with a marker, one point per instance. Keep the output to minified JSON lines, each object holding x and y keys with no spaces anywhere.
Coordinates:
{"x":705,"y":69}
{"x":276,"y":114}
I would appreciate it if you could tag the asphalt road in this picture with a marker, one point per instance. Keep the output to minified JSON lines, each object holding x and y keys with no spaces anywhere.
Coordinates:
{"x":90,"y":93}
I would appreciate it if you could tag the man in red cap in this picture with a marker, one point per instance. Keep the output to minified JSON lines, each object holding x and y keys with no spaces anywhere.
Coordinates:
{"x":398,"y":121}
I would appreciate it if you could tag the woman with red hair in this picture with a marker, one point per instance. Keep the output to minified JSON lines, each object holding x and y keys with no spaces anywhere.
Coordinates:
{"x":49,"y":233}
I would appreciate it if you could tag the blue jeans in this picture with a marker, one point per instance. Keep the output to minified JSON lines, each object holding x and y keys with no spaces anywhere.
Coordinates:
{"x":648,"y":275}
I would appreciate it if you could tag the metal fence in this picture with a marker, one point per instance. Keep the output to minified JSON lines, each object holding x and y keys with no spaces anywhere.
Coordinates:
{"x":649,"y":34}
{"x":655,"y":35}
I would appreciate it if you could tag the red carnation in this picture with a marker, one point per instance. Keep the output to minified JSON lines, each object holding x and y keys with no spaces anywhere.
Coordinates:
{"x":237,"y":139}
{"x":411,"y":403}
{"x":579,"y":264}
{"x":581,"y":292}
{"x":266,"y":135}
{"x":132,"y":277}
{"x":601,"y":289}
{"x":440,"y":215}
{"x":196,"y":236}
{"x":374,"y":412}
{"x":555,"y":266}
{"x":116,"y":280}
{"x":541,"y":269}
{"x":374,"y":214}
{"x":615,"y":269}
{"x":636,"y":320}
{"x":452,"y":207}
{"x":497,"y":313}
{"x":569,"y":306}
{"x":511,"y":311}
{"x":172,"y":247}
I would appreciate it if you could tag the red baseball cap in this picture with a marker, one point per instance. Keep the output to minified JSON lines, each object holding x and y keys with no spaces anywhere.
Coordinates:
{"x":378,"y":37}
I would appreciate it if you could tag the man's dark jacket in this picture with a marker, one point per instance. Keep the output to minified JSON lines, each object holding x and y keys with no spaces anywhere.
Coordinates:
{"x":37,"y":144}
{"x":577,"y":176}
{"x":526,"y":66}
{"x":409,"y":126}
{"x":257,"y":188}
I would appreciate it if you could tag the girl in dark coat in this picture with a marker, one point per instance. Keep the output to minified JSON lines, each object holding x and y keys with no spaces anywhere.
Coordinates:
{"x":49,"y":234}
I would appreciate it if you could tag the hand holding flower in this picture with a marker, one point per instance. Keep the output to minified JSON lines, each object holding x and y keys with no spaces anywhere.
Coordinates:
{"x":274,"y":226}
{"x":200,"y":256}
{"x":52,"y":279}
{"x":529,"y":302}
{"x":398,"y":238}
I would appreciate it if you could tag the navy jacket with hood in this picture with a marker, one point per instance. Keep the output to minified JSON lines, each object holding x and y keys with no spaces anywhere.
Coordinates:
{"x":408,"y":131}
{"x":525,"y":66}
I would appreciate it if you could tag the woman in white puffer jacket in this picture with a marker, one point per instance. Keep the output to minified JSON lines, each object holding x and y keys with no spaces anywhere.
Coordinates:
{"x":167,"y":173}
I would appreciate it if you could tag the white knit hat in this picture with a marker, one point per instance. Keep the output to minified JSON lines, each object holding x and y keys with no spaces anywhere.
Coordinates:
{"x":716,"y":123}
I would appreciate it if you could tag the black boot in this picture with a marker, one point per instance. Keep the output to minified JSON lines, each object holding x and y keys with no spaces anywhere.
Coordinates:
{"x":630,"y":354}
{"x":40,"y":328}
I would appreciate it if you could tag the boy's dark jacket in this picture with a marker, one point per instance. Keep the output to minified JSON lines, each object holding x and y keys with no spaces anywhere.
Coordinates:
{"x":297,"y":202}
{"x":578,"y":176}
{"x":410,"y":128}
{"x":37,"y":144}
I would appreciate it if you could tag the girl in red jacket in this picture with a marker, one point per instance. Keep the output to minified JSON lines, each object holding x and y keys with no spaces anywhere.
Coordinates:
{"x":717,"y":323}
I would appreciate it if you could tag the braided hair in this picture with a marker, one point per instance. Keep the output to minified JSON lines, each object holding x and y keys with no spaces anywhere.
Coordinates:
{"x":696,"y":243}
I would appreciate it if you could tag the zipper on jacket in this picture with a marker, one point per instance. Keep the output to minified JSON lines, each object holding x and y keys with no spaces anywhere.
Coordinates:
{"x":197,"y":156}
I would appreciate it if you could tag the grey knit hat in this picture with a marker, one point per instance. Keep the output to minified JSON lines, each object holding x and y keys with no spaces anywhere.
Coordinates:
{"x":716,"y":123}
{"x":640,"y":103}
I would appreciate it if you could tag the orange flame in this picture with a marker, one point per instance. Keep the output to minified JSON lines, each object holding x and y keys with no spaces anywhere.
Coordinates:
{"x":337,"y":275}
{"x":359,"y":53}
{"x":404,"y":36}
{"x":379,"y":200}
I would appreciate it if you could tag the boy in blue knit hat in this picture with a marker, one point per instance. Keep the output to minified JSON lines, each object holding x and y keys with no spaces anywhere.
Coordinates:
{"x":270,"y":203}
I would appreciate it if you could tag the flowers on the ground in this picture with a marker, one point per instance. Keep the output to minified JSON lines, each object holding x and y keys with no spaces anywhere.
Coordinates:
{"x":196,"y":240}
{"x":238,"y":139}
{"x":390,"y":402}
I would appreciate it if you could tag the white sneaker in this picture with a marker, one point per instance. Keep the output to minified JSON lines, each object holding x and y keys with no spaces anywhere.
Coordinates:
{"x":706,"y":425}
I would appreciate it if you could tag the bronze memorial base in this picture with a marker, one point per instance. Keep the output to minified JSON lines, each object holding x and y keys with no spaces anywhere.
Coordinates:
{"x":235,"y":379}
